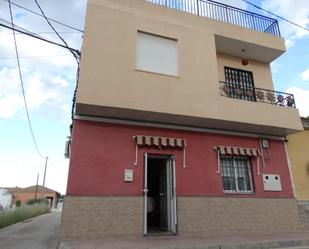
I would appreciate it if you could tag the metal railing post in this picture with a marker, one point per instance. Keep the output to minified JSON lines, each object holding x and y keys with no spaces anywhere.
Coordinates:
{"x":227,"y":14}
{"x":222,"y":12}
{"x":197,"y":7}
{"x":252,"y":16}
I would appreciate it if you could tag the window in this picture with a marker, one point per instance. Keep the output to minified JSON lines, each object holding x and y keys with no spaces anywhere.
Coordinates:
{"x":240,"y":83}
{"x":156,"y":54}
{"x":236,"y":174}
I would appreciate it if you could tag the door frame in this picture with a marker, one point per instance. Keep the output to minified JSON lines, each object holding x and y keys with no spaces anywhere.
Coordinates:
{"x":172,"y":202}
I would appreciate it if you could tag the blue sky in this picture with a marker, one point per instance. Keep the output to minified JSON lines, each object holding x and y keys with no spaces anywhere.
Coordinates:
{"x":49,"y":74}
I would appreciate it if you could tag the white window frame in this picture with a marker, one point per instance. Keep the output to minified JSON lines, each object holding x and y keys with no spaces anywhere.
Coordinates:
{"x":154,"y":66}
{"x":235,"y":177}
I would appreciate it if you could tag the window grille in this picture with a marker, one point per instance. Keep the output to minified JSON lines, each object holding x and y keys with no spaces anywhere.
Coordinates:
{"x":236,"y":174}
{"x":241,"y":83}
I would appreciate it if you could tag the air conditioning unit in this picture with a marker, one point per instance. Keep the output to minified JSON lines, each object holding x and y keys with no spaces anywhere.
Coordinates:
{"x":67,"y":148}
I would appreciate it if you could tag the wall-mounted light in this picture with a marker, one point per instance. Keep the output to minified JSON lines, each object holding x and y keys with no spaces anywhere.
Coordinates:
{"x":244,"y":61}
{"x":265,"y":143}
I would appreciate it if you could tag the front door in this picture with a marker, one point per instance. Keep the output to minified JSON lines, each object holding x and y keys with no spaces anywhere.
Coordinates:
{"x":159,"y":194}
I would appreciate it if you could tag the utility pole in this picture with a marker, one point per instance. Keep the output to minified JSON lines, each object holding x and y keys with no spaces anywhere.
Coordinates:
{"x":45,"y":171}
{"x":36,"y":187}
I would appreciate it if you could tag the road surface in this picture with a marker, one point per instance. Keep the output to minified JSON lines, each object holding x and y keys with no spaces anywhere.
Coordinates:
{"x":41,"y":232}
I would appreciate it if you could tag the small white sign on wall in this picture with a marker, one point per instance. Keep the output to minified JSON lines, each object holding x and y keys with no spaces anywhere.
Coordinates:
{"x":272,"y":182}
{"x":128,"y":175}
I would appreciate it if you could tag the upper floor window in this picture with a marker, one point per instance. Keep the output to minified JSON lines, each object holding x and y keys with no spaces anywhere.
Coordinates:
{"x":240,"y":83}
{"x":236,"y":174}
{"x":156,"y":54}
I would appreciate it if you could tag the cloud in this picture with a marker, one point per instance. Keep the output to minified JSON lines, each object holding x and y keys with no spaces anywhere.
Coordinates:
{"x":305,"y":75}
{"x":45,"y":93}
{"x":49,"y":71}
{"x":295,"y":11}
{"x":302,"y":100}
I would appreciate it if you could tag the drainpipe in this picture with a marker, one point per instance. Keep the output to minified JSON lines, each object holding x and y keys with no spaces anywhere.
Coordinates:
{"x":289,"y":166}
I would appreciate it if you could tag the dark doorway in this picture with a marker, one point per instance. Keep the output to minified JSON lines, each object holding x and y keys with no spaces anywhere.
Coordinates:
{"x":157,"y":206}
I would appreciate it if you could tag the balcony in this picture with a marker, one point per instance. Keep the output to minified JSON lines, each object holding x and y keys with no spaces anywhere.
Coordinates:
{"x":224,"y":13}
{"x":249,"y":93}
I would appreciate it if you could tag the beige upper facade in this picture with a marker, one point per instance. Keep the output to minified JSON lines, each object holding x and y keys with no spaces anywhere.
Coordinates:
{"x":298,"y":148}
{"x":112,"y":86}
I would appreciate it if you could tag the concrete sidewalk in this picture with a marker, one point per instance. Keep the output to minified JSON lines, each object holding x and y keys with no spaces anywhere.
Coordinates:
{"x":229,"y":241}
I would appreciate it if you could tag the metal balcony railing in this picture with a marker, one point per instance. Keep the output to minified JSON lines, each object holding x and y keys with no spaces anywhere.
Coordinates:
{"x":224,"y":13}
{"x":239,"y":91}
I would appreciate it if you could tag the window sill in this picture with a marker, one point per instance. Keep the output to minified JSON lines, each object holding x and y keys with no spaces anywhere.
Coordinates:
{"x":150,"y":72}
{"x":238,"y":193}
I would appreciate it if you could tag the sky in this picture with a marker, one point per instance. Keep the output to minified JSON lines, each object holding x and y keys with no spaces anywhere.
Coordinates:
{"x":49,"y":80}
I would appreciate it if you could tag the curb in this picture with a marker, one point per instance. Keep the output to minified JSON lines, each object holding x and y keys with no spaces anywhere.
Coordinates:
{"x":257,"y":245}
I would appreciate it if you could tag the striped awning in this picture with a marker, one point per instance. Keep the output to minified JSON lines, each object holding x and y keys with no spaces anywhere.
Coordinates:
{"x":159,"y":141}
{"x":239,"y":151}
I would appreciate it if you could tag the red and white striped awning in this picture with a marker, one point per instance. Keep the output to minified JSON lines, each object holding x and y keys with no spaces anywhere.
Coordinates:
{"x":168,"y":142}
{"x":142,"y":140}
{"x":238,"y":151}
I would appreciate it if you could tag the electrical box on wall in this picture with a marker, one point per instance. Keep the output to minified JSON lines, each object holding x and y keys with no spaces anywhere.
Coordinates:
{"x":128,"y":175}
{"x":272,"y":182}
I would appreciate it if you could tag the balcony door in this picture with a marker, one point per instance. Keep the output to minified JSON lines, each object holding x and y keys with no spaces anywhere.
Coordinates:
{"x":240,"y":82}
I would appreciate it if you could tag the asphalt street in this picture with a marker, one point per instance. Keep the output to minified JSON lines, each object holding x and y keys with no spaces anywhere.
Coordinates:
{"x":41,"y":232}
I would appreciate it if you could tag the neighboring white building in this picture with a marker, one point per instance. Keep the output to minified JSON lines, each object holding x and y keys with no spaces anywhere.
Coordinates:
{"x":5,"y":198}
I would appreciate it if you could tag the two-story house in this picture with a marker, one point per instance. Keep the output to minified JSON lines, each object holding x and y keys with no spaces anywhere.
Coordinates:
{"x":177,"y":125}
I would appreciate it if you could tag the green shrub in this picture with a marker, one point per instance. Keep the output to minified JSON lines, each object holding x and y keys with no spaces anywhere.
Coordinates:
{"x":39,"y":200}
{"x":18,"y":203}
{"x":9,"y":217}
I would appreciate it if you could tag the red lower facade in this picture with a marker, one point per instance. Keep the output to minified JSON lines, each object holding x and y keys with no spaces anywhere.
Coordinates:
{"x":101,"y":152}
{"x":100,"y":203}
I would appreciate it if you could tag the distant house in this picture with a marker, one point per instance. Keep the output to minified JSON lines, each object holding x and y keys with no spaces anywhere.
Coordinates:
{"x":28,"y":193}
{"x":298,"y":149}
{"x":9,"y":196}
{"x":5,"y":198}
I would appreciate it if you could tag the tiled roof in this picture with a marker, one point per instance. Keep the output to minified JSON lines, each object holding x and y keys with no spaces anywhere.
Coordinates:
{"x":40,"y":189}
{"x":30,"y":189}
{"x":11,"y":189}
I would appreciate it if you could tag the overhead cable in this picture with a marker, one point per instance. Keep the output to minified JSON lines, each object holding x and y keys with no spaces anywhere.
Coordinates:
{"x":76,"y":56}
{"x":33,"y":56}
{"x":19,"y":27}
{"x":280,"y":17}
{"x":51,"y":19}
{"x":22,"y":85}
{"x":33,"y":35}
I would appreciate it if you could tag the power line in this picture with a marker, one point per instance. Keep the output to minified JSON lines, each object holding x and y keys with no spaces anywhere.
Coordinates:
{"x":40,"y":38}
{"x":30,"y":57}
{"x":19,"y":27}
{"x":52,"y":27}
{"x":51,"y":19}
{"x":75,"y":51}
{"x":42,"y":32}
{"x":26,"y":31}
{"x":22,"y":84}
{"x":280,"y":17}
{"x":77,"y":57}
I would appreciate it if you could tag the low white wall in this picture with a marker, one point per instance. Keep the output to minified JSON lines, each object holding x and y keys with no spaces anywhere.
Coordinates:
{"x":5,"y":198}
